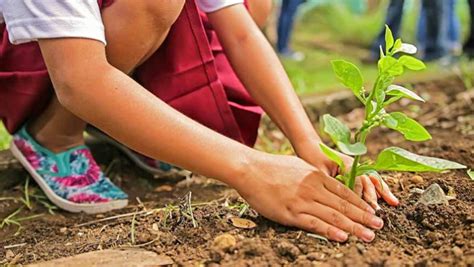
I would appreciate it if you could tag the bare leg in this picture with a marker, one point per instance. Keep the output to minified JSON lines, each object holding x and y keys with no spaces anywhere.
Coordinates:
{"x":140,"y":30}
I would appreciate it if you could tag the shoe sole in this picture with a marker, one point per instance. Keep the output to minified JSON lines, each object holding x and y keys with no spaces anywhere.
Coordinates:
{"x":99,"y":135}
{"x":60,"y":202}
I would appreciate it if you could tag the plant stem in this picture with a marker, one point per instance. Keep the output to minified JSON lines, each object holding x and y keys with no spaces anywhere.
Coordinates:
{"x":360,"y":137}
{"x":353,"y":173}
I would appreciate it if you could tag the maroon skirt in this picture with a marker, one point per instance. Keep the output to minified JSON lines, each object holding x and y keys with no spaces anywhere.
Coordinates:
{"x":189,"y":71}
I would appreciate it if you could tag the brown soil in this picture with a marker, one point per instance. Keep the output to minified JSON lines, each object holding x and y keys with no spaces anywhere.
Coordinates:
{"x":414,"y":235}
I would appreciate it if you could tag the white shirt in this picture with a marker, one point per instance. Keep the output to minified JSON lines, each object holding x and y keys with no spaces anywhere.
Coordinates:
{"x":30,"y":20}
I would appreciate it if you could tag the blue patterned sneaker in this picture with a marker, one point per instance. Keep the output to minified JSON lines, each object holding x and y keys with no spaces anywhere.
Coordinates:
{"x":147,"y":164}
{"x":72,"y":180}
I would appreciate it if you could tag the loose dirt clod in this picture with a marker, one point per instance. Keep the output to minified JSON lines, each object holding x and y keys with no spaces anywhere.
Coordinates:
{"x":286,"y":249}
{"x":224,"y":242}
{"x":417,"y":179}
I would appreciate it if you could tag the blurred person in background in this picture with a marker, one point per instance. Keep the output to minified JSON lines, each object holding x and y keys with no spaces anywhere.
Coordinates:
{"x":394,"y":20}
{"x":286,"y":20}
{"x":450,"y":30}
{"x":433,"y":27}
{"x":469,"y":45}
{"x":440,"y":28}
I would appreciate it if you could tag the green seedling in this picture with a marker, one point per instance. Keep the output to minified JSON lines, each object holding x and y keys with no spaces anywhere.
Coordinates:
{"x":13,"y":219}
{"x":383,"y":94}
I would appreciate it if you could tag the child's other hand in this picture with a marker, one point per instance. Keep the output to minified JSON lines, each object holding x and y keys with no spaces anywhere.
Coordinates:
{"x":290,"y":191}
{"x":369,"y":187}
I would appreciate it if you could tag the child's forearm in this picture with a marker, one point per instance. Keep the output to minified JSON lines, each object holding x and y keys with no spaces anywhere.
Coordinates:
{"x":110,"y":100}
{"x":259,"y":69}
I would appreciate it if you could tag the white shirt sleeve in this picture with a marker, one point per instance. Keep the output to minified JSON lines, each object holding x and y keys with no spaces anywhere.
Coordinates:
{"x":30,"y":20}
{"x":209,"y":6}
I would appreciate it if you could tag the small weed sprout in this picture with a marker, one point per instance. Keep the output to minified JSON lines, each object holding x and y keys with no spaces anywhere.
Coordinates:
{"x":186,"y":209}
{"x":383,"y":94}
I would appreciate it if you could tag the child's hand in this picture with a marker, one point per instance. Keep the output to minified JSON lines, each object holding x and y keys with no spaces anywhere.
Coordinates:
{"x":290,"y":191}
{"x":371,"y":187}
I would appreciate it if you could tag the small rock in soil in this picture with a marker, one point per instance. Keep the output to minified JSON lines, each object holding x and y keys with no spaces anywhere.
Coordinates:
{"x":242,"y":223}
{"x":433,"y":236}
{"x":9,"y":255}
{"x":286,"y":249}
{"x":224,"y":242}
{"x":416,"y":179}
{"x":163,"y":188}
{"x":451,"y":192}
{"x":434,"y":194}
{"x":417,"y":190}
{"x":360,"y":248}
{"x":457,"y":251}
{"x":316,"y":256}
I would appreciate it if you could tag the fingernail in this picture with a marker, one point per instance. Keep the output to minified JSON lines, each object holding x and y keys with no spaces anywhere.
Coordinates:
{"x":394,"y":197}
{"x":341,"y":236}
{"x":377,"y":222}
{"x":368,"y":235}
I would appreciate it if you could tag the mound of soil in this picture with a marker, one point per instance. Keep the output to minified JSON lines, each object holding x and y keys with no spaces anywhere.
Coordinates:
{"x":162,"y":221}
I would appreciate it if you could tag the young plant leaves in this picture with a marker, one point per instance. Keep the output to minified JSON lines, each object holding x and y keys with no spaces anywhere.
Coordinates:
{"x":398,"y":159}
{"x":335,"y":129}
{"x":412,"y":63}
{"x":390,"y":66}
{"x":389,"y":41}
{"x":349,"y":75}
{"x":334,"y":156}
{"x":411,"y":130}
{"x":397,"y":46}
{"x":356,"y":149}
{"x":396,"y":90}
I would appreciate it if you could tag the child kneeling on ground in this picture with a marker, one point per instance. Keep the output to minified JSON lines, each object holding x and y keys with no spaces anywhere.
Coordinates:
{"x":177,"y":81}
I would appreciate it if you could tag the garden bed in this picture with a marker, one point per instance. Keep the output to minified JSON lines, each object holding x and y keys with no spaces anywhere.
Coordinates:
{"x":160,"y":219}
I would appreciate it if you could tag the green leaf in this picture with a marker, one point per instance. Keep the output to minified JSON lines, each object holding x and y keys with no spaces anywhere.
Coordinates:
{"x":380,"y":96}
{"x":396,"y":90}
{"x":411,"y":129}
{"x":398,"y":159}
{"x":334,"y":156}
{"x":412,"y":63}
{"x":382,"y":55}
{"x":371,"y":107}
{"x":398,"y":44}
{"x":471,"y":174}
{"x":349,"y":75}
{"x":352,"y":149}
{"x":388,"y":39}
{"x":341,"y":178}
{"x":335,"y":129}
{"x":391,"y":66}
